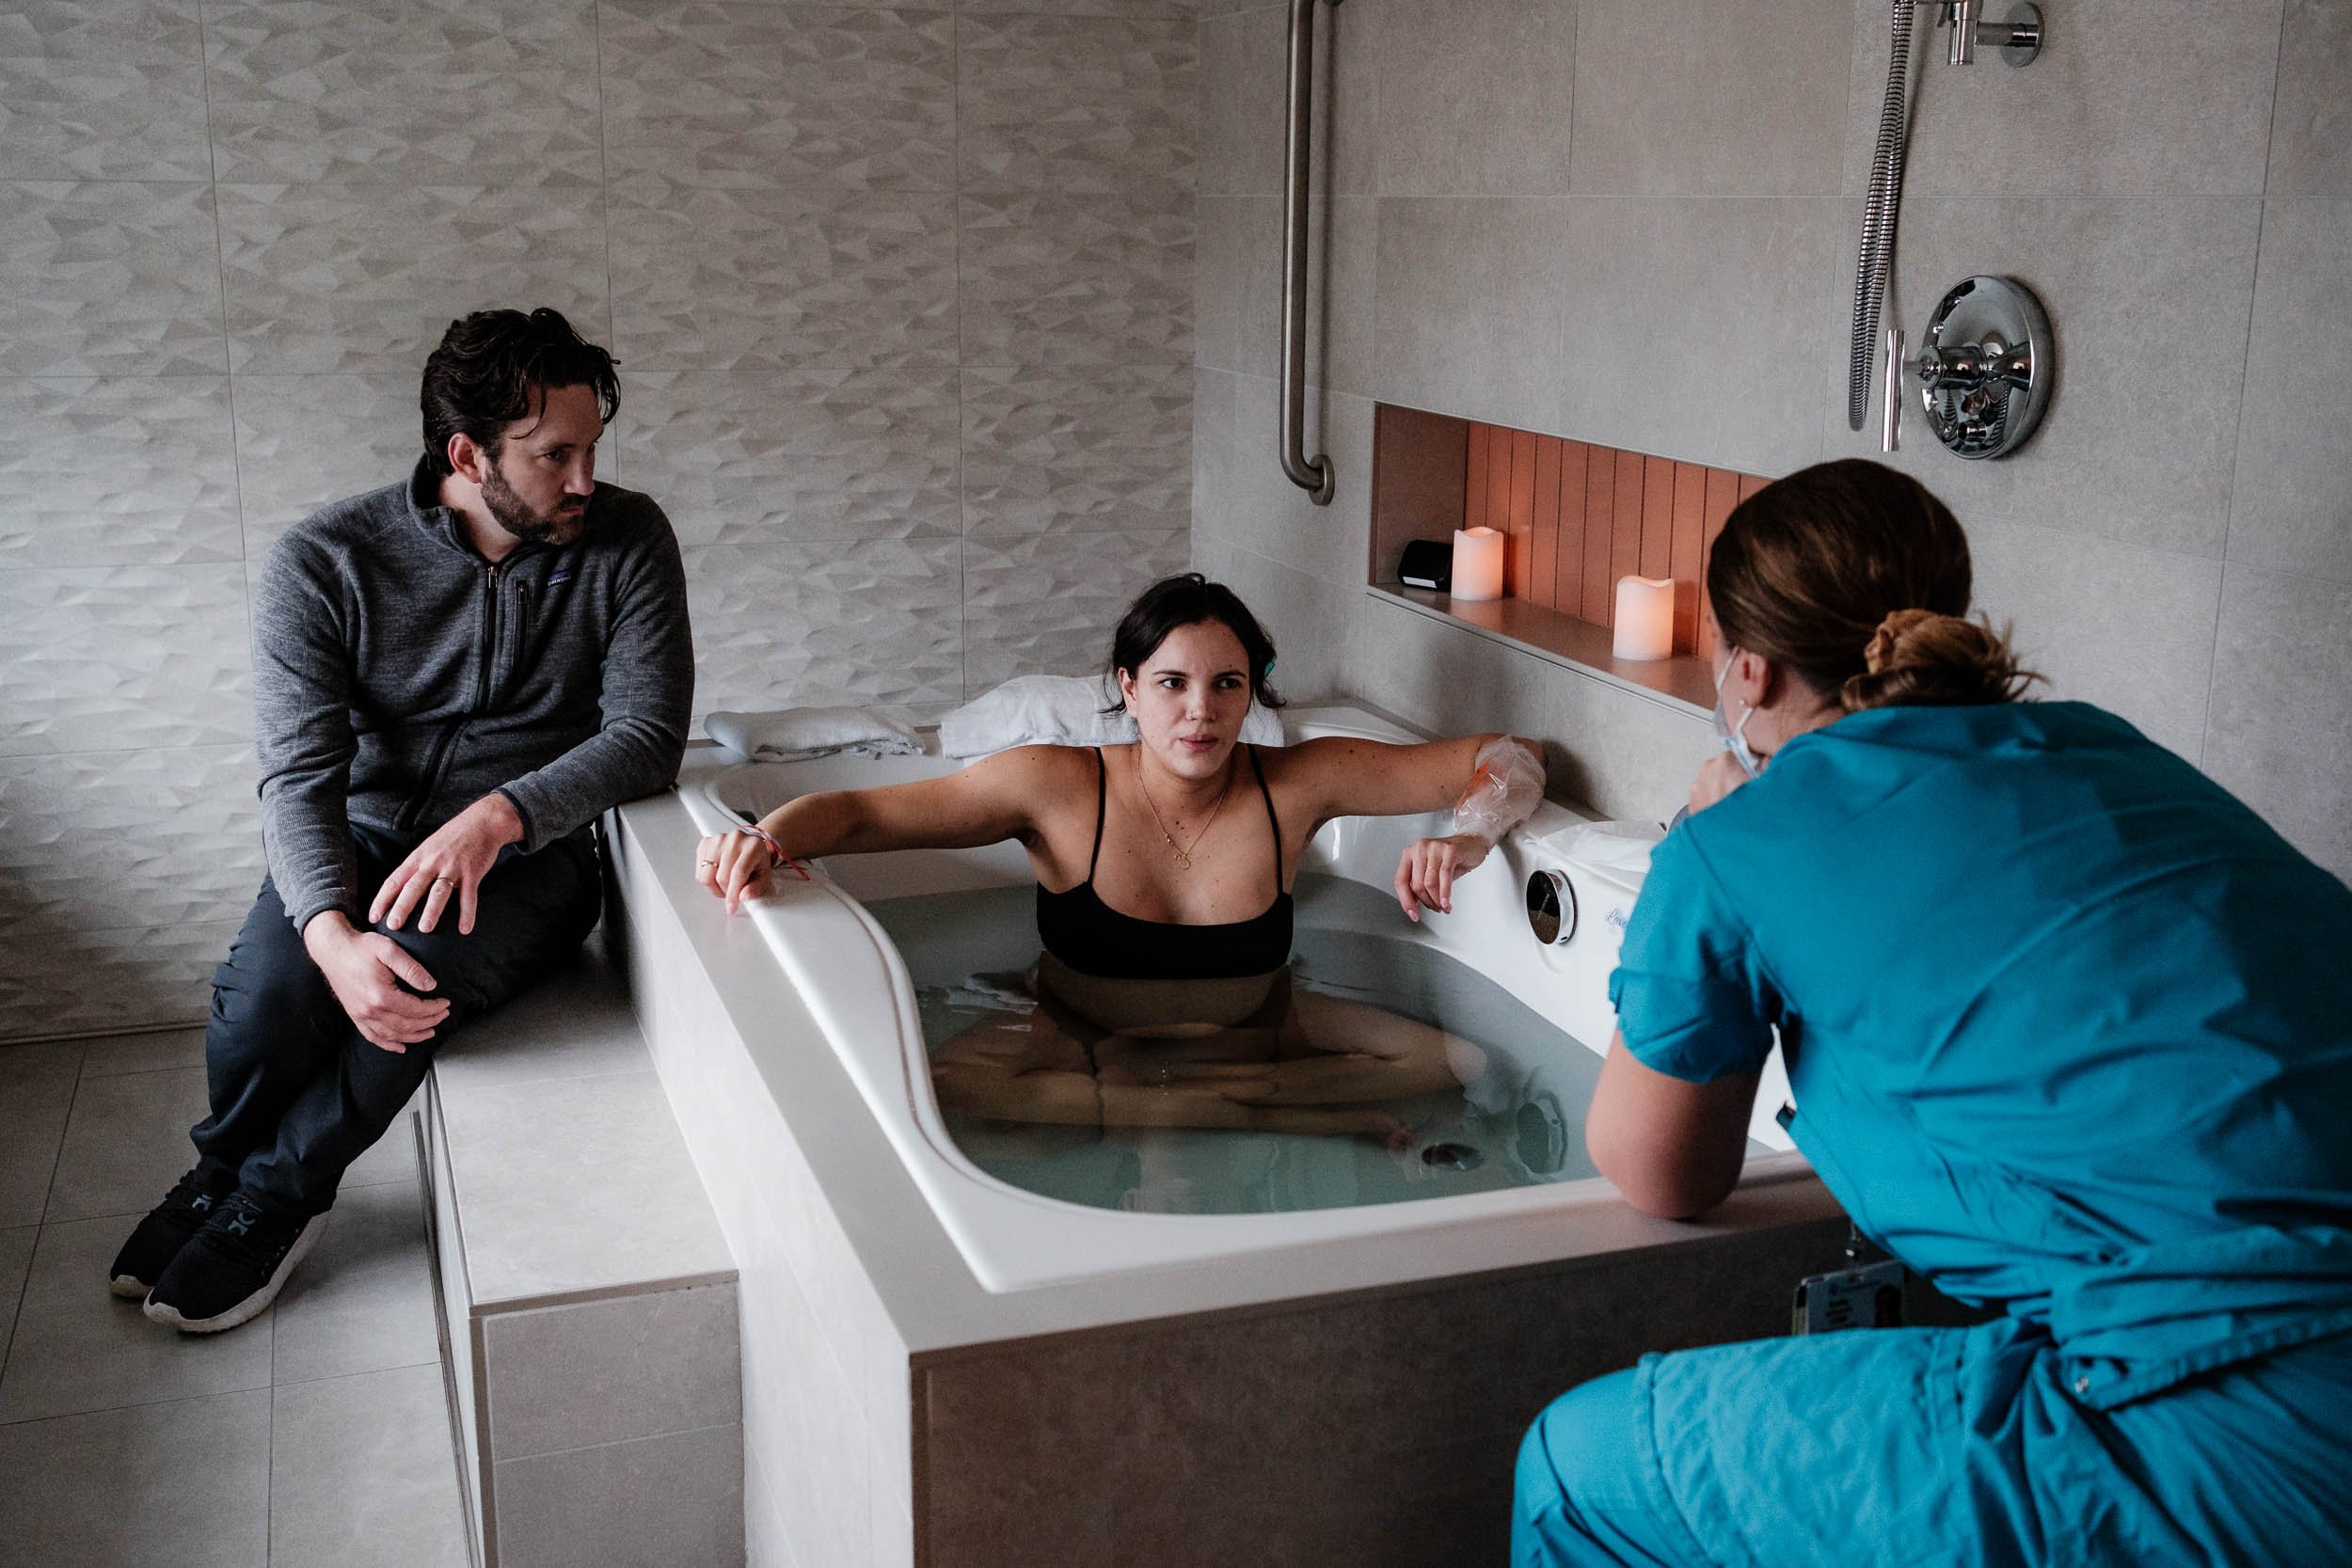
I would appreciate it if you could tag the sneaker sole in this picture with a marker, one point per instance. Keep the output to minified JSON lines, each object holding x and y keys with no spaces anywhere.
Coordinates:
{"x":127,"y":1288}
{"x":252,"y":1306}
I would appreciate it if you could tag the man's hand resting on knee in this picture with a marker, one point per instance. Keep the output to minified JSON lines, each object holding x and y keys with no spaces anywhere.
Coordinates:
{"x":363,"y":968}
{"x":452,"y":863}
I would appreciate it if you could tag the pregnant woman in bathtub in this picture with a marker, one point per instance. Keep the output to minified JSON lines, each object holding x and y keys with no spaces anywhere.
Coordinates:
{"x":1164,"y":873}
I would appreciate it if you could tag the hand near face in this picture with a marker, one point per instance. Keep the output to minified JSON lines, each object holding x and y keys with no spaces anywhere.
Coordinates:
{"x":1718,"y":776}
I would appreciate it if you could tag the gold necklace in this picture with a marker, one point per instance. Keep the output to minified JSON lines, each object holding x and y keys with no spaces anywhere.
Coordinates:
{"x":1184,"y":856}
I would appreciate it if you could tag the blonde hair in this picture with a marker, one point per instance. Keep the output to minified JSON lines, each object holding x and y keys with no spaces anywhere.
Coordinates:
{"x":1919,"y":657}
{"x":1857,"y":578}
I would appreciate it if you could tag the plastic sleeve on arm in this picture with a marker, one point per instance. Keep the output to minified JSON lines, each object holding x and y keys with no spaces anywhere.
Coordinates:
{"x":302,"y":737}
{"x":1506,"y":784}
{"x":647,"y":699}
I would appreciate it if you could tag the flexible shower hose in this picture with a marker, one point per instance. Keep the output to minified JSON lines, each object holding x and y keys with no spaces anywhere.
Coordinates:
{"x":1878,"y":223}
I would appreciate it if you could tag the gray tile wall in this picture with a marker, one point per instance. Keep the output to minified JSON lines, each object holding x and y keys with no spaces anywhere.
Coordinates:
{"x":900,"y":292}
{"x":1634,"y":223}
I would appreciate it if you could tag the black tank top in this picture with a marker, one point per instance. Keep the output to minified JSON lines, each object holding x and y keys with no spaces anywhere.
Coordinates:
{"x":1092,"y":938}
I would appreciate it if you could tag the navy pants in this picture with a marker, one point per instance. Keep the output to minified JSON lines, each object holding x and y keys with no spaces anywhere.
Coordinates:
{"x":297,"y":1092}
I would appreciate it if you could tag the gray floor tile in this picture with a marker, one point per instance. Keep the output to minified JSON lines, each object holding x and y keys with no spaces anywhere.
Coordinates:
{"x":153,"y":1052}
{"x":362,"y":1474}
{"x":362,"y":1301}
{"x":184,"y":1484}
{"x":127,"y":1139}
{"x":16,"y":1256}
{"x":126,"y":1143}
{"x":36,"y":1092}
{"x":77,"y":1347}
{"x":391,"y":1157}
{"x":28,"y":1063}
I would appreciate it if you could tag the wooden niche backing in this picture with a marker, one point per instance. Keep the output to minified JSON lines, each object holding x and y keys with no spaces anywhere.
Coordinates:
{"x":1577,"y":515}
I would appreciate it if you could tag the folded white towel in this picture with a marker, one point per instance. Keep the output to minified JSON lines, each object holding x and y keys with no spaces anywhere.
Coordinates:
{"x":792,"y":733}
{"x":1061,"y":710}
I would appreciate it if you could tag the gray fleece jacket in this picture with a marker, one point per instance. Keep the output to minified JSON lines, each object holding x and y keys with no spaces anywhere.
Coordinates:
{"x":399,"y":677}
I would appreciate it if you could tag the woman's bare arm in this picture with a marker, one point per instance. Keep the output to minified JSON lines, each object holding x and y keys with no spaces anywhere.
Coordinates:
{"x":987,"y":802}
{"x":1673,"y":1148}
{"x":1341,"y":776}
{"x":995,"y":798}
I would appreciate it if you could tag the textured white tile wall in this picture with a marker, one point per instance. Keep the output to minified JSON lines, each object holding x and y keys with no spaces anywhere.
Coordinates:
{"x":1634,"y":223}
{"x":901,"y":294}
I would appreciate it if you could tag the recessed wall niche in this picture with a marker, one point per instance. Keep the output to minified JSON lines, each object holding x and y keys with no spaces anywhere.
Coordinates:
{"x":1576,"y":517}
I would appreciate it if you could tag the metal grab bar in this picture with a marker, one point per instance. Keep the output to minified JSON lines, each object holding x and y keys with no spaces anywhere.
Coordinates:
{"x":1311,"y":474}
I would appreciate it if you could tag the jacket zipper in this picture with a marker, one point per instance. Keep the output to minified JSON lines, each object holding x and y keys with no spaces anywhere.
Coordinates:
{"x":522,"y":628}
{"x":490,"y":639}
{"x":481,"y":692}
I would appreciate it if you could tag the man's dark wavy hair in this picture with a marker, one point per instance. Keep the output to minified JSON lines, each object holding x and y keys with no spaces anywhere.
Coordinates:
{"x":495,"y":366}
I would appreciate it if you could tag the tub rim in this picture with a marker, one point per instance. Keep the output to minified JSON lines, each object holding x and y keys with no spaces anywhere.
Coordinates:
{"x":906,"y":1112}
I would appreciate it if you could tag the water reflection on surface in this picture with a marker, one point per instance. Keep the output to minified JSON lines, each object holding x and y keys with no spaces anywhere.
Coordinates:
{"x":1376,"y":1069}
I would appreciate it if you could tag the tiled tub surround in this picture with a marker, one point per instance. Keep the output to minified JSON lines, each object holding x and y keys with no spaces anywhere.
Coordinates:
{"x":902,"y":296}
{"x":1634,"y":224}
{"x":588,"y":1302}
{"x":1347,"y":1400}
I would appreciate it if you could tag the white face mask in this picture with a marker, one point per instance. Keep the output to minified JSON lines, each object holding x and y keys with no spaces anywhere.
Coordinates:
{"x":1735,"y":736}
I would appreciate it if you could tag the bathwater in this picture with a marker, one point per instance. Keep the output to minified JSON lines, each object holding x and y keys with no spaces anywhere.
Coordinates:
{"x":1507,"y":1108}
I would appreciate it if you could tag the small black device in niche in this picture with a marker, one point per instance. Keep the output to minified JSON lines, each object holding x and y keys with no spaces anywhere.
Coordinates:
{"x":1427,"y":563}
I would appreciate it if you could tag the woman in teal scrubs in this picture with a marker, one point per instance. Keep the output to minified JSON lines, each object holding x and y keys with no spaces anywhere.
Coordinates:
{"x":2068,"y":1029}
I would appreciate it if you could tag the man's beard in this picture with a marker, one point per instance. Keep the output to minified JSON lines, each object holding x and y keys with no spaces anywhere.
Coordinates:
{"x":559,"y":527}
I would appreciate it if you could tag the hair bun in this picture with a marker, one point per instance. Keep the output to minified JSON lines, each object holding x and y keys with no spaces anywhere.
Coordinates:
{"x":1888,"y":642}
{"x":1919,"y":656}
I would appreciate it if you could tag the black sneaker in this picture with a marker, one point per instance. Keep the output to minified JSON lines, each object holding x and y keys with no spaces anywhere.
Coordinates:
{"x":159,"y":1238}
{"x":232,"y":1268}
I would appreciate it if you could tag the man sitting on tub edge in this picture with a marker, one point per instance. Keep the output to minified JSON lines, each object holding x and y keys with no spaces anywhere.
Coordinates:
{"x":454,"y":676}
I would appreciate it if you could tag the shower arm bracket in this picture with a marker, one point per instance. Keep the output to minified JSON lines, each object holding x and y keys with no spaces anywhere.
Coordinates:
{"x":2018,"y":36}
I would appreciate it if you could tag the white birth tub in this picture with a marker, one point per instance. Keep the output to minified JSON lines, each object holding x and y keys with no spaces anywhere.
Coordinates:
{"x":857,"y":989}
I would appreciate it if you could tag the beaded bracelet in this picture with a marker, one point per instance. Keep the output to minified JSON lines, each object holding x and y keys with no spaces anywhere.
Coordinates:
{"x":776,"y":856}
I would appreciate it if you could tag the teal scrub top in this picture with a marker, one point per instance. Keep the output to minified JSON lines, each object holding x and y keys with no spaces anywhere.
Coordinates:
{"x":2068,"y":1027}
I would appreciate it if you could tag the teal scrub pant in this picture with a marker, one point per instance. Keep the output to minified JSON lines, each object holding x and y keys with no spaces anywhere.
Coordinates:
{"x":1951,"y":1447}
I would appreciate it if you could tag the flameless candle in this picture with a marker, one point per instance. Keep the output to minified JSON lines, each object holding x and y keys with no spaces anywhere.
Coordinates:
{"x":1477,"y":563}
{"x":1646,"y":618}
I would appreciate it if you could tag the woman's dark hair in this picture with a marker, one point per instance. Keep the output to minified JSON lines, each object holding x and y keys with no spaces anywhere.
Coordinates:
{"x":1188,"y":600}
{"x":495,"y":366}
{"x":1855,"y":576}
